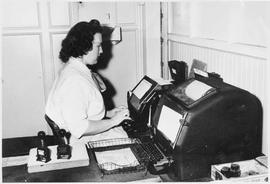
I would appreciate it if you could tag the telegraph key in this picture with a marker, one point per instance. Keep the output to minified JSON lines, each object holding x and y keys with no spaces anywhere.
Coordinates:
{"x":64,"y":149}
{"x":43,"y":152}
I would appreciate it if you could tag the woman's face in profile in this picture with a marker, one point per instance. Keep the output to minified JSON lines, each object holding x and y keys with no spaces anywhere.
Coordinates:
{"x":91,"y":57}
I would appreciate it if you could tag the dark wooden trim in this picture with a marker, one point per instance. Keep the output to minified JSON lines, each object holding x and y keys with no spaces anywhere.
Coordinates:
{"x":21,"y":145}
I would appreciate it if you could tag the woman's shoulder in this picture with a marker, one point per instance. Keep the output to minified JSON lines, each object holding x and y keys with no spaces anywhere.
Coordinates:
{"x":73,"y":78}
{"x":74,"y":84}
{"x":69,"y":73}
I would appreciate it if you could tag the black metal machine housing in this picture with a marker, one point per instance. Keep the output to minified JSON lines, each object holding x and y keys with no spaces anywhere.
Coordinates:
{"x":223,"y":125}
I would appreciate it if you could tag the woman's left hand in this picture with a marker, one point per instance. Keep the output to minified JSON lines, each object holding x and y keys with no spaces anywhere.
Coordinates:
{"x":114,"y":111}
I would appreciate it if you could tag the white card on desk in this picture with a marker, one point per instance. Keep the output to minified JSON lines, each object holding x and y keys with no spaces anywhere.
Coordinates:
{"x":120,"y":158}
{"x":162,"y":81}
{"x":79,"y":158}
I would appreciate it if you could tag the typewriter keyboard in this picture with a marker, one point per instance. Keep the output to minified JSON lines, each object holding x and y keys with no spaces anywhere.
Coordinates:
{"x":148,"y":152}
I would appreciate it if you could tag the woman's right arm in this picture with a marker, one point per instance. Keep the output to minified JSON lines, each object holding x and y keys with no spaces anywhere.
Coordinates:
{"x":75,"y":94}
{"x":99,"y":126}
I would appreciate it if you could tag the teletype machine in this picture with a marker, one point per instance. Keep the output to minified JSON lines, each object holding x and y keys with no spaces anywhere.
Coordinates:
{"x":200,"y":122}
{"x":142,"y":100}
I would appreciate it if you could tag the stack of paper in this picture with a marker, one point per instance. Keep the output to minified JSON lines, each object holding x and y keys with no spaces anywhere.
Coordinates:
{"x":115,"y":159}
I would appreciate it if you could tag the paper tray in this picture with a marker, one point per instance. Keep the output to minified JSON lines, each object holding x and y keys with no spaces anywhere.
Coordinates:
{"x":115,"y":144}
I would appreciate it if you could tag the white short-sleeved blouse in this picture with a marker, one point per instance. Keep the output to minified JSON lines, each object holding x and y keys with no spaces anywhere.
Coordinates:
{"x":74,"y":99}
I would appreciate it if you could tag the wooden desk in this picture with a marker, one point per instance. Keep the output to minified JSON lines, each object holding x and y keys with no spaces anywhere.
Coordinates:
{"x":81,"y":174}
{"x":89,"y":173}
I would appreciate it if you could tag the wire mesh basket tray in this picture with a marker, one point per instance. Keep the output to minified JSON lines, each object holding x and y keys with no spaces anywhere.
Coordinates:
{"x":112,"y":142}
{"x":116,"y":144}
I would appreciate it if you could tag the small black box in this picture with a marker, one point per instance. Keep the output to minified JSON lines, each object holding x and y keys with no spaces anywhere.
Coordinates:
{"x":43,"y":154}
{"x":63,"y":151}
{"x":178,"y":70}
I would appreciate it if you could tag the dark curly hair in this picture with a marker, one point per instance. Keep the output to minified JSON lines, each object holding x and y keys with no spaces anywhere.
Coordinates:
{"x":79,"y":40}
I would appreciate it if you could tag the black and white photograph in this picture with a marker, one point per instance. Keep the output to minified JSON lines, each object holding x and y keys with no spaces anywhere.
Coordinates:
{"x":135,"y":91}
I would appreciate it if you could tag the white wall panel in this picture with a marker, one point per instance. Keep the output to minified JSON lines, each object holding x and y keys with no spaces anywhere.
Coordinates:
{"x":59,"y":13}
{"x":15,"y":15}
{"x":126,"y":12}
{"x":23,"y":91}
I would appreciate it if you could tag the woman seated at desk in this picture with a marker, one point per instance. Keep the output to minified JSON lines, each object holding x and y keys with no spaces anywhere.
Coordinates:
{"x":75,"y":102}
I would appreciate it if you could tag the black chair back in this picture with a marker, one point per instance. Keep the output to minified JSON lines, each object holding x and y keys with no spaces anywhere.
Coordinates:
{"x":55,"y":129}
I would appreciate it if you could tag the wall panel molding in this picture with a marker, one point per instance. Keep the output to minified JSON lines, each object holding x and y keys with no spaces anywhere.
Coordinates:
{"x":141,"y":63}
{"x":241,"y":49}
{"x":20,"y":33}
{"x":128,"y":29}
{"x":43,"y":64}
